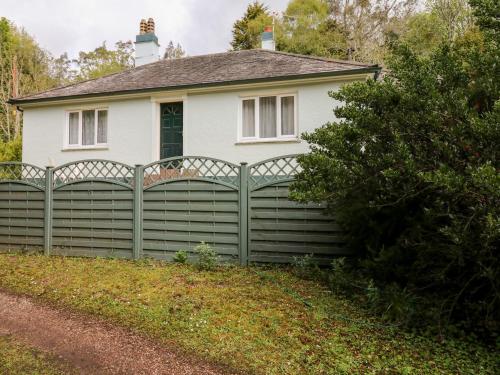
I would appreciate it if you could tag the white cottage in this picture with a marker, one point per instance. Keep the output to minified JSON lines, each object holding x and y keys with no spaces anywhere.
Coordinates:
{"x":237,"y":106}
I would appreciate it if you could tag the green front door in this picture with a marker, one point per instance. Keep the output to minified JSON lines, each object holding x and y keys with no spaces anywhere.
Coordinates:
{"x":171,"y":130}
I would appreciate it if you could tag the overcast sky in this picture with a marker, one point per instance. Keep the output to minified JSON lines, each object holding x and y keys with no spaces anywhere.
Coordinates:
{"x":201,"y":26}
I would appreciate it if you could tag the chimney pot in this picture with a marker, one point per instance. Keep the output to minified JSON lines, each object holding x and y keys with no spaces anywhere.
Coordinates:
{"x":143,"y":27}
{"x":151,"y":26}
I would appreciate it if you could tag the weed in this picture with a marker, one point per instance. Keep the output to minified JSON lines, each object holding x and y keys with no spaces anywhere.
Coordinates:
{"x":207,"y":256}
{"x":181,"y":256}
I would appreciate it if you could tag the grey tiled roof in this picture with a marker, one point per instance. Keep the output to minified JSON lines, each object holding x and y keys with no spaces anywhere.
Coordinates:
{"x":205,"y":70}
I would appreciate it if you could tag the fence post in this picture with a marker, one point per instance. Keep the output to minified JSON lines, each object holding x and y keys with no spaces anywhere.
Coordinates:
{"x":137,"y":230}
{"x":244,"y":219}
{"x":47,"y":218}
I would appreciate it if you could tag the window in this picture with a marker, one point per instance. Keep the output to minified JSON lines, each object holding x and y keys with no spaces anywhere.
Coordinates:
{"x":87,"y":128}
{"x":268,"y":118}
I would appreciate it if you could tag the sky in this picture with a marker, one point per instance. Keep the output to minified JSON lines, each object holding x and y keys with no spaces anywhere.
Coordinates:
{"x":200,"y":26}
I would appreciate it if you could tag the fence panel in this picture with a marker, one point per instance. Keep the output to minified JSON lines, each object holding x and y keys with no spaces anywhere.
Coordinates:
{"x":92,"y":210}
{"x":281,"y":229}
{"x":22,"y":195}
{"x":105,"y":208}
{"x":188,"y":200}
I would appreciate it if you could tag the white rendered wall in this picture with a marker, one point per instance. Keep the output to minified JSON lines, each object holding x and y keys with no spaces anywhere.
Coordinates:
{"x":211,"y":126}
{"x":129,"y":134}
{"x":146,"y":52}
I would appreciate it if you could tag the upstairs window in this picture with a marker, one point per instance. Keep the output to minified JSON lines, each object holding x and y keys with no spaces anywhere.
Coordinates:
{"x":268,"y":118}
{"x":87,"y":128}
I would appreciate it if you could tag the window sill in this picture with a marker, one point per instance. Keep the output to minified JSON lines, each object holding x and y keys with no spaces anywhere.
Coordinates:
{"x":92,"y":148}
{"x":270,"y":140}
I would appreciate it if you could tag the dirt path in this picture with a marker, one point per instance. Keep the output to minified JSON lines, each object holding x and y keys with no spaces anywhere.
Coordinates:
{"x":89,"y":345}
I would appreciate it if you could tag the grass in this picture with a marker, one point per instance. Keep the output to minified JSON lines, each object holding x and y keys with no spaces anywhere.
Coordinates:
{"x":17,"y":359}
{"x":264,"y":321}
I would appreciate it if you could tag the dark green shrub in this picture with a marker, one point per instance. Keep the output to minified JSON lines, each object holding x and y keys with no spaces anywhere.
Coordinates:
{"x":411,"y":172}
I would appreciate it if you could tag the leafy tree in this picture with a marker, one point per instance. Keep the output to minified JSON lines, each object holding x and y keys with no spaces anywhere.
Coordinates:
{"x":247,"y":30}
{"x":103,"y":61}
{"x":24,"y":68}
{"x":306,"y":28}
{"x":411,"y":171}
{"x":173,"y":52}
{"x":367,"y":23}
{"x":63,"y":69}
{"x":442,"y":21}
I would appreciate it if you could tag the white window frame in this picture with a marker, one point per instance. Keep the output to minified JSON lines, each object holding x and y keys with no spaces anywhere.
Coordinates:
{"x":79,"y":145}
{"x":279,"y":137}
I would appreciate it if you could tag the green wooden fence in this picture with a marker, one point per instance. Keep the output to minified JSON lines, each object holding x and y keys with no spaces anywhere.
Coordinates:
{"x":106,"y":208}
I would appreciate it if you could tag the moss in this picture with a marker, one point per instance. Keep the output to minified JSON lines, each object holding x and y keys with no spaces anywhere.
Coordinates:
{"x":259,"y":320}
{"x":18,"y":359}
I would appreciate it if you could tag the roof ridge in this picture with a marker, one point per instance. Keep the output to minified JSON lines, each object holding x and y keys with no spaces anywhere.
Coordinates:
{"x":319,"y":58}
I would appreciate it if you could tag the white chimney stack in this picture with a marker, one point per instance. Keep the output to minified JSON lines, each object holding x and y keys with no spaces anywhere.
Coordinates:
{"x":267,"y":38}
{"x":147,"y":49}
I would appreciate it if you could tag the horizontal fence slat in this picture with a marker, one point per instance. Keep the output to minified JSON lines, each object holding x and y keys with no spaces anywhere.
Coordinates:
{"x":191,"y":196}
{"x":38,"y":241}
{"x":280,"y":248}
{"x":97,"y":224}
{"x":89,"y":214}
{"x":114,"y":196}
{"x":58,"y":205}
{"x":192,"y":237}
{"x":91,"y":234}
{"x":191,"y":227}
{"x":84,"y":243}
{"x":292,"y":237}
{"x":148,"y":206}
{"x":220,"y":217}
{"x":14,"y":186}
{"x":299,"y":227}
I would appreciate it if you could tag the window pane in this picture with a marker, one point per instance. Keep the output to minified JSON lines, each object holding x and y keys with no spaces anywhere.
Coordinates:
{"x":88,"y":127}
{"x":102,"y":126}
{"x":267,"y":117}
{"x":249,"y":118}
{"x":73,"y":128}
{"x":287,"y":115}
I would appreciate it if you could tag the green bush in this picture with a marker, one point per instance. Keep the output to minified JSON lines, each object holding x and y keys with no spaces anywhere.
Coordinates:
{"x":181,"y":256}
{"x":411,"y":172}
{"x":11,"y":151}
{"x":207,"y":256}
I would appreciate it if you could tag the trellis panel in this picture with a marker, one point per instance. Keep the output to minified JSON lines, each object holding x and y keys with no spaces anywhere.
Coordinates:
{"x":21,"y":216}
{"x":179,"y":214}
{"x":92,"y":218}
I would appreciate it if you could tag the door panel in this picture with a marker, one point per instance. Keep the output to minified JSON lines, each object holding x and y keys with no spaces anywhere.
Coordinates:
{"x":171,"y":126}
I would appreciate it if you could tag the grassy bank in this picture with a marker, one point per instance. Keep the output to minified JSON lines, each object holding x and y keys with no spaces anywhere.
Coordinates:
{"x":17,"y":359}
{"x":264,"y":321}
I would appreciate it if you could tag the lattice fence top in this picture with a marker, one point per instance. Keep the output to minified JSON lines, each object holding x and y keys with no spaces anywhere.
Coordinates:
{"x":93,"y":170}
{"x":192,"y":168}
{"x":282,"y":168}
{"x":16,"y":171}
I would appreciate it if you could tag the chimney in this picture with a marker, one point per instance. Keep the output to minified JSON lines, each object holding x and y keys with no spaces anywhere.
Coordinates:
{"x":147,"y":49}
{"x":267,"y":38}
